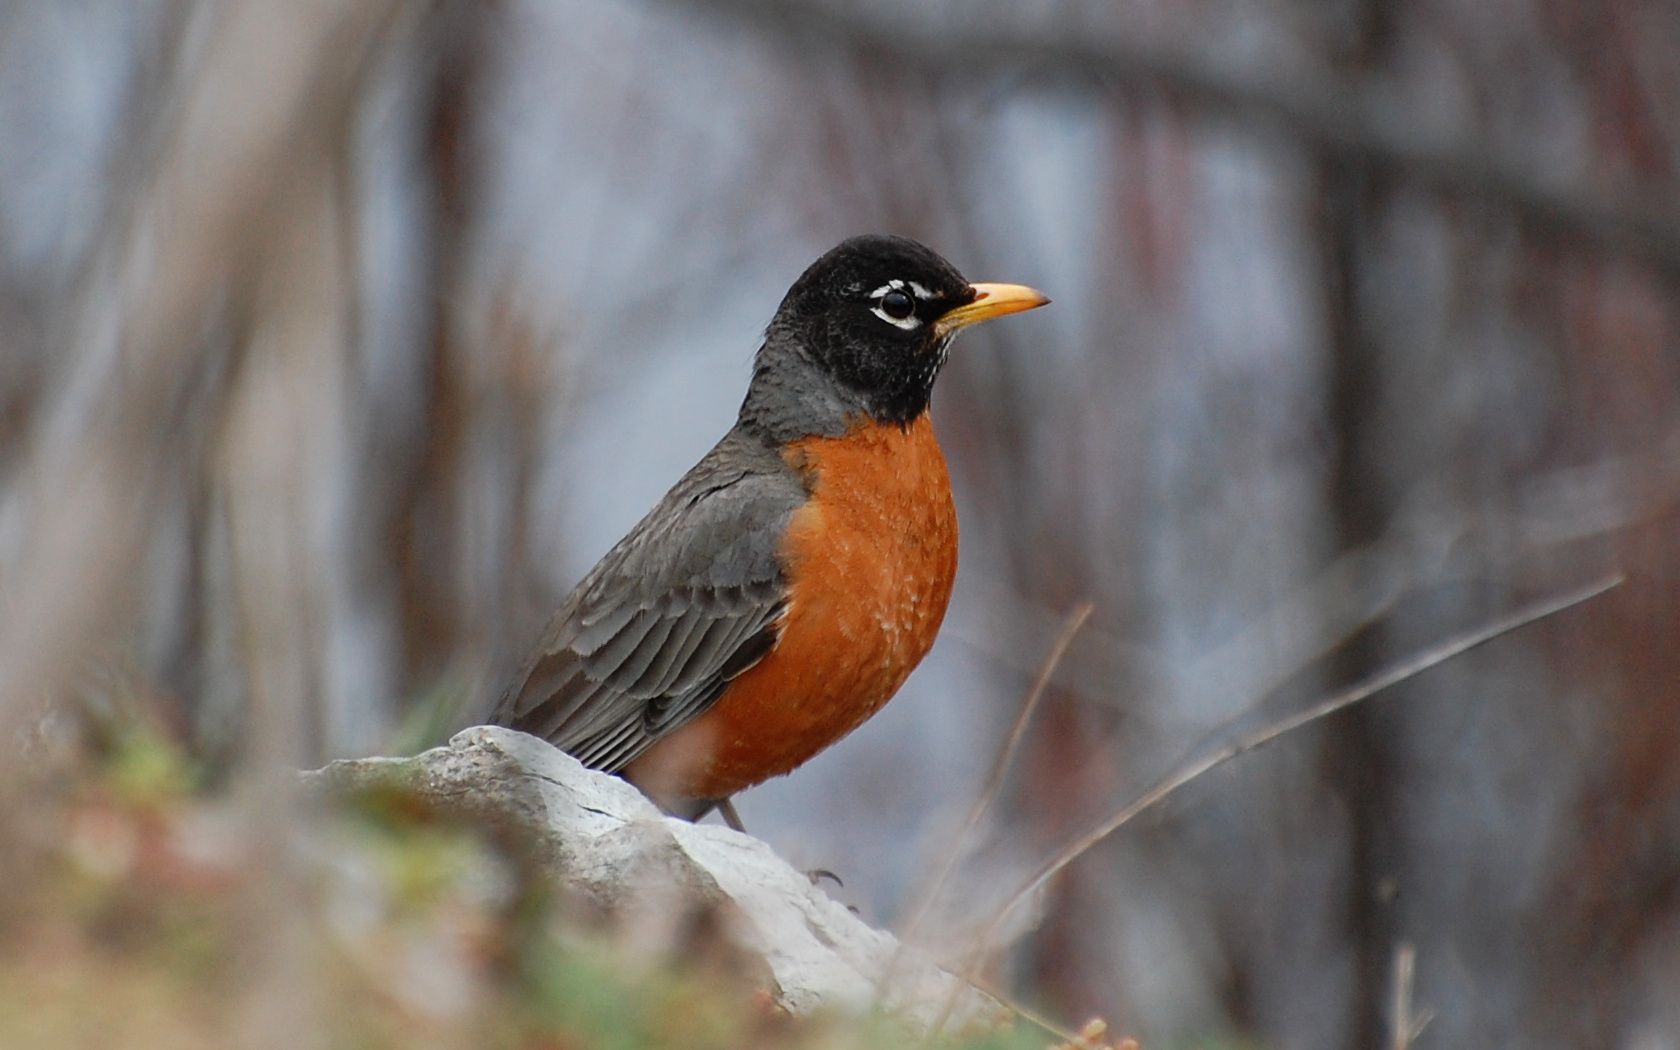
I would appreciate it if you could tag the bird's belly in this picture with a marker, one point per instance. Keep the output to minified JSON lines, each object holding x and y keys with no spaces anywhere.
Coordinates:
{"x":871,"y":559}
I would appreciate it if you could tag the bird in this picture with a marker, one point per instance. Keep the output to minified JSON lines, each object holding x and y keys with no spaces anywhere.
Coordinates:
{"x":785,"y":587}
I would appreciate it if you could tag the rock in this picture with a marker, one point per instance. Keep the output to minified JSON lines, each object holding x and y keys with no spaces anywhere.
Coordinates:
{"x":600,"y":837}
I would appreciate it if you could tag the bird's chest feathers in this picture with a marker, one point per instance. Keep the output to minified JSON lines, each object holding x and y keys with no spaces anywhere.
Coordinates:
{"x":870,"y":560}
{"x":874,"y":551}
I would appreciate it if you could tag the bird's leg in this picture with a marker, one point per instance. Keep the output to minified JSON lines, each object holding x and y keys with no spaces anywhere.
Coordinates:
{"x":726,"y":810}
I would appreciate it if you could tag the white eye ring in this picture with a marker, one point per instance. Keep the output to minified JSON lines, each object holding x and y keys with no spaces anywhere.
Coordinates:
{"x":921,"y":292}
{"x":909,"y":324}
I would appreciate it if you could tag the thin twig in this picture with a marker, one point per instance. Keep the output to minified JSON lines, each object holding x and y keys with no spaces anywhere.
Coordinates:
{"x":1000,"y":769}
{"x":1195,"y":768}
{"x":982,"y":802}
{"x":1405,"y":964}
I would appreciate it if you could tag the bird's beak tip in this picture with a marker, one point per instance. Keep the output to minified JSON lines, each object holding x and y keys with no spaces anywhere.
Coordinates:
{"x":992,"y":300}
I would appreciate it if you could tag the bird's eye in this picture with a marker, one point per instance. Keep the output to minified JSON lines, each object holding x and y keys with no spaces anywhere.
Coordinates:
{"x":897,"y":305}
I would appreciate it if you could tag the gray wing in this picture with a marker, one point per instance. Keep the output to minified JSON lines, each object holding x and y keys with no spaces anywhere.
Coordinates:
{"x":692,"y":597}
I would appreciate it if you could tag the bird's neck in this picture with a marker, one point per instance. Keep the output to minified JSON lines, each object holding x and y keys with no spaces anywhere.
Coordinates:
{"x":792,"y":397}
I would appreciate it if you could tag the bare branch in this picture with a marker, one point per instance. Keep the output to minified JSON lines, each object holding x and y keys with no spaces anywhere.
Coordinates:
{"x":1344,"y":116}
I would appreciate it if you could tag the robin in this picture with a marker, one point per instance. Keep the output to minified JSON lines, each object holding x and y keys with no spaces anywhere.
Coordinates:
{"x":784,"y":588}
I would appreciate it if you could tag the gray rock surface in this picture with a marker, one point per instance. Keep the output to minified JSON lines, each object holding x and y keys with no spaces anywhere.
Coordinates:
{"x":601,"y":838}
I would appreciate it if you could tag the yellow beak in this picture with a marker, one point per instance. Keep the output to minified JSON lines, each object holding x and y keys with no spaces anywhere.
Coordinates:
{"x":990,"y":300}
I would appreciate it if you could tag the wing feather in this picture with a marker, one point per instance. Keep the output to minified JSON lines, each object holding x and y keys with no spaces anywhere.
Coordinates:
{"x":663,"y":672}
{"x":691,"y":598}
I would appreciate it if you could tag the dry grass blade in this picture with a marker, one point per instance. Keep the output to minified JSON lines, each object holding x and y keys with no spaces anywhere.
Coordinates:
{"x":1064,"y":1036}
{"x":1407,"y":1024}
{"x":1196,"y":767}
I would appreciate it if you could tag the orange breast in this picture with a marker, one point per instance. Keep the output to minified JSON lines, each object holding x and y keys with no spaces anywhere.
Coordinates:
{"x":872,"y":557}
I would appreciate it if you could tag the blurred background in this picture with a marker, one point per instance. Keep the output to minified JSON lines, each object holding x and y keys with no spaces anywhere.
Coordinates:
{"x":337,"y":340}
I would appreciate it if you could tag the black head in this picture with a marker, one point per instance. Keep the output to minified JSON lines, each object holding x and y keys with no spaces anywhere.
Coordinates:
{"x":875,"y":316}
